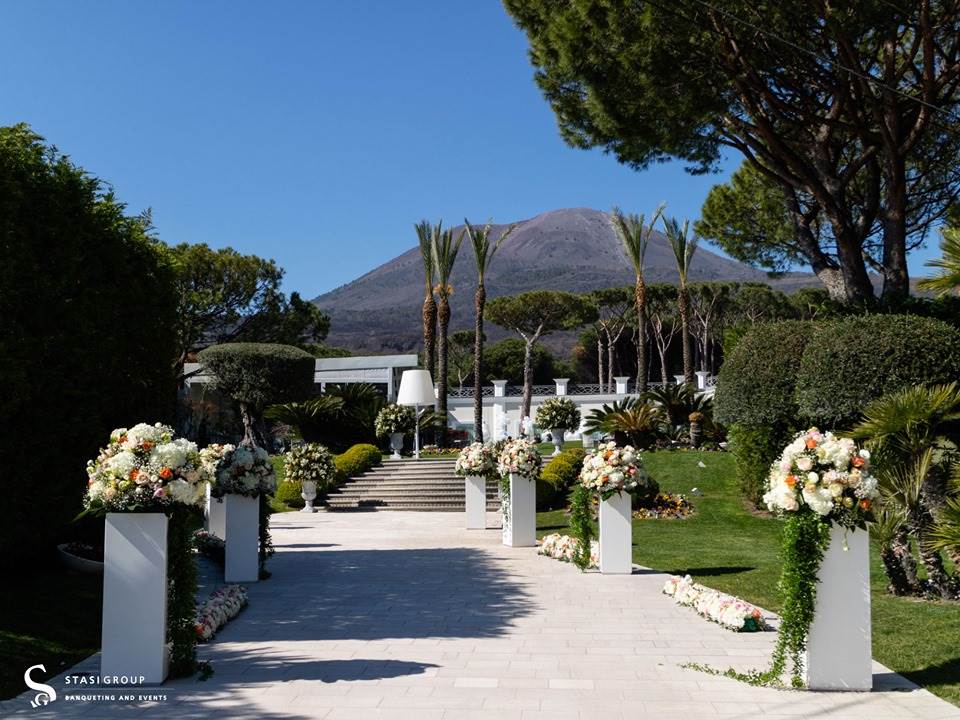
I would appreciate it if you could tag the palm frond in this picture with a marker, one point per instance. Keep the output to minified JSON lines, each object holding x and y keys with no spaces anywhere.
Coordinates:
{"x":948,"y":279}
{"x":425,"y":232}
{"x":683,"y":244}
{"x":945,"y":532}
{"x":634,"y":233}
{"x":444,"y":249}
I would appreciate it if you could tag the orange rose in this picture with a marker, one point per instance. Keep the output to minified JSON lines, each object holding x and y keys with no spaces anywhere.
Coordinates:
{"x":134,"y":474}
{"x":165,"y":473}
{"x":790,"y":480}
{"x":857,"y":461}
{"x":864,"y":504}
{"x":146,"y":444}
{"x":811,"y":443}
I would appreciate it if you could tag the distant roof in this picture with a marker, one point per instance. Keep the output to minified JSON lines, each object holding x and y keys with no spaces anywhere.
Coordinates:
{"x":359,"y":362}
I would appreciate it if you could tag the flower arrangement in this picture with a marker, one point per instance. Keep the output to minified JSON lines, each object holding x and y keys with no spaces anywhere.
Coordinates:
{"x":238,"y":470}
{"x":664,"y":505}
{"x":827,"y":474}
{"x":310,"y":462}
{"x":558,"y":413}
{"x":395,"y":418}
{"x":610,"y":469}
{"x":519,"y":457}
{"x":221,"y":607}
{"x":477,"y":459}
{"x":723,"y":609}
{"x":145,"y":469}
{"x":564,"y":547}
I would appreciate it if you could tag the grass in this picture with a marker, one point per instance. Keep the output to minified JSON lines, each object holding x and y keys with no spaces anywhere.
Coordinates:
{"x":731,"y":549}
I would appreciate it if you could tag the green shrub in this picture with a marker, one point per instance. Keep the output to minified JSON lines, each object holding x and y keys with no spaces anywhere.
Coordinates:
{"x":288,"y":493}
{"x":757,"y":383}
{"x":754,"y":449}
{"x":850,"y":362}
{"x":557,"y":478}
{"x":357,"y":459}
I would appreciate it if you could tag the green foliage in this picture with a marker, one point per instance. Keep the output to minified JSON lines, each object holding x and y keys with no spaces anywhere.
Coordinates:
{"x":504,"y":361}
{"x":259,"y":374}
{"x":328,"y":351}
{"x":86,"y":333}
{"x":947,"y":279}
{"x":849,"y":362}
{"x":288,"y":493}
{"x":357,"y":459}
{"x":559,"y":413}
{"x":557,"y":478}
{"x":631,"y":420}
{"x":344,"y":415}
{"x":754,"y":449}
{"x":677,"y":402}
{"x":581,"y":525}
{"x":758,"y":380}
{"x":539,"y":312}
{"x":181,"y":600}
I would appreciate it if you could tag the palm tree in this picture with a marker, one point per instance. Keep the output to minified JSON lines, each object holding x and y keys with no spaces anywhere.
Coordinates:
{"x":425,"y":233}
{"x":683,"y":249}
{"x":948,"y":279}
{"x":444,"y":250}
{"x":483,"y":253}
{"x":635,"y":238}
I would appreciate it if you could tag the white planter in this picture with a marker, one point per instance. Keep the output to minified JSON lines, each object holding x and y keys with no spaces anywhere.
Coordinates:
{"x":308,"y":491}
{"x":242,"y":552}
{"x":475,"y":487}
{"x":134,"y":634}
{"x":520,"y":528}
{"x":556,"y":434}
{"x":839,"y":643}
{"x":616,"y":541}
{"x":396,"y":444}
{"x":216,"y":516}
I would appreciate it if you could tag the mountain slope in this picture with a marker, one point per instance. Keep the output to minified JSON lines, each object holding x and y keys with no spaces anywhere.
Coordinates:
{"x":571,"y":249}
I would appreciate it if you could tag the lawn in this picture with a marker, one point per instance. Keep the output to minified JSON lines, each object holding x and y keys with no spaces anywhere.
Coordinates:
{"x":731,"y":549}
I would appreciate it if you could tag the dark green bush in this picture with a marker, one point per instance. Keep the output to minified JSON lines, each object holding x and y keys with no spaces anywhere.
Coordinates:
{"x":357,"y":459}
{"x":557,"y":478}
{"x":757,"y":383}
{"x":288,"y":493}
{"x":850,"y":362}
{"x":754,"y":449}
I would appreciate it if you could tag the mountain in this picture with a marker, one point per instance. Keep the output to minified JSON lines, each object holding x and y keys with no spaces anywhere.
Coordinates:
{"x":574,"y":249}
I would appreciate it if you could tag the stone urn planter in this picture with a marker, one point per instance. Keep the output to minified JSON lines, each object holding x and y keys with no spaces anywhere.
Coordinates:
{"x":839,"y":642}
{"x":475,"y":488}
{"x":396,"y":444}
{"x":308,"y":491}
{"x":520,"y":524}
{"x":616,"y":540}
{"x":556,"y":436}
{"x":134,"y":634}
{"x":72,"y":561}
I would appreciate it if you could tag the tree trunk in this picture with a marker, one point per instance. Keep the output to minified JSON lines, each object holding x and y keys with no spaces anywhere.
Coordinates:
{"x":664,"y":376}
{"x":611,"y":351}
{"x":893,"y":567}
{"x":900,"y":545}
{"x":683,"y":301}
{"x":857,"y":285}
{"x":430,"y":334}
{"x":247,"y":415}
{"x":443,"y":320}
{"x":640,"y":296}
{"x":480,"y":300}
{"x":527,"y":380}
{"x":600,"y":366}
{"x":896,"y":279}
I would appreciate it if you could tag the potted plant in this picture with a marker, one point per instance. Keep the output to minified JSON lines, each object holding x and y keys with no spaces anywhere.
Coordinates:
{"x":559,"y":415}
{"x":519,"y":467}
{"x":139,"y":481}
{"x":395,"y":421}
{"x":310,"y":465}
{"x":475,"y":464}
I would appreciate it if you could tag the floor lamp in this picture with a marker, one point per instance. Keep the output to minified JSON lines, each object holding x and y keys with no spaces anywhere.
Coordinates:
{"x":416,"y":389}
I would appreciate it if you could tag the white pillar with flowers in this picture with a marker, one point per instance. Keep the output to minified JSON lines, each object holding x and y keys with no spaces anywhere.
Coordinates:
{"x":613,"y":473}
{"x":519,"y":467}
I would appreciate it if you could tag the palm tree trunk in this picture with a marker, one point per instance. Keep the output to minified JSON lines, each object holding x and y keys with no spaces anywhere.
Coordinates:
{"x":443,"y":318}
{"x":900,"y":564}
{"x":430,"y":333}
{"x":479,"y":300}
{"x":684,"y":306}
{"x":527,"y":380}
{"x":640,"y":295}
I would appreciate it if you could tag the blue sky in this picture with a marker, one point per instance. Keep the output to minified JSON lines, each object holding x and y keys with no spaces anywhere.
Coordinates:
{"x":315,"y":133}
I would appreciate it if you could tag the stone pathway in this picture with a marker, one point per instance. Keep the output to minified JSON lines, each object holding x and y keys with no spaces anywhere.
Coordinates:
{"x":406,"y":615}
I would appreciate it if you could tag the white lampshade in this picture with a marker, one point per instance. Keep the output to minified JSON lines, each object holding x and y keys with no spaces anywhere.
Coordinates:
{"x":416,"y":388}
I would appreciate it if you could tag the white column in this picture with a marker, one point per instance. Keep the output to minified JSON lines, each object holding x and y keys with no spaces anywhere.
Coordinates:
{"x":839,"y":642}
{"x":216,"y":516}
{"x":134,"y":634}
{"x":499,"y":409}
{"x":680,"y":379}
{"x":520,"y":530}
{"x":702,"y":376}
{"x":622,"y":384}
{"x":561,"y":386}
{"x":476,"y":502}
{"x":242,"y":561}
{"x":616,"y":540}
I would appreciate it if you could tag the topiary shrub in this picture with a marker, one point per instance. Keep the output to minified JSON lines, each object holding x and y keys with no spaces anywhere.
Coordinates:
{"x":852,"y":361}
{"x":288,"y":493}
{"x":754,"y":448}
{"x":557,"y":477}
{"x":357,"y":459}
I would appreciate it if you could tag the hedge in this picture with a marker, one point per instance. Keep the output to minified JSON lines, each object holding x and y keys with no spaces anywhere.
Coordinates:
{"x":557,"y":478}
{"x":357,"y":459}
{"x":288,"y":493}
{"x":756,"y":385}
{"x":852,"y":361}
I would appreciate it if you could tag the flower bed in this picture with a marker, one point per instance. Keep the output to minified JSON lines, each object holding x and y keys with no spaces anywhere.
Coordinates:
{"x":664,"y":505}
{"x":221,"y":607}
{"x":718,"y":607}
{"x":563,"y":547}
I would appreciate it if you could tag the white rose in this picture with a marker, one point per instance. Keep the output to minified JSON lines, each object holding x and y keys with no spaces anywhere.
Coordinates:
{"x":804,"y":463}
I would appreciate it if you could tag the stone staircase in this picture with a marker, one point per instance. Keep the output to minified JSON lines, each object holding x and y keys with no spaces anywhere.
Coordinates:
{"x":407,"y":485}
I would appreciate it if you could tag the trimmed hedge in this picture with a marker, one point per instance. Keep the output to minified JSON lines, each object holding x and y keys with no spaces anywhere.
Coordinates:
{"x":757,"y":383}
{"x":259,"y":374}
{"x":557,"y":478}
{"x":357,"y":459}
{"x":754,"y":449}
{"x":852,"y":361}
{"x":288,"y":493}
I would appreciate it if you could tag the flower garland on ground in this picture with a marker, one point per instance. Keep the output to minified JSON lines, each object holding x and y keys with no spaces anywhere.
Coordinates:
{"x":478,"y":459}
{"x":395,"y":418}
{"x":726,"y":610}
{"x":221,"y":607}
{"x":520,"y":458}
{"x":566,"y":548}
{"x":819,"y":479}
{"x":238,"y":470}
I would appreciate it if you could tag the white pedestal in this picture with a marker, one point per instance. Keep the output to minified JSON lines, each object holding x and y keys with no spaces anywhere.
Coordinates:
{"x":520,"y":530}
{"x":216,"y":516}
{"x":134,"y":635}
{"x":616,"y":540}
{"x":839,"y":646}
{"x":242,"y":561}
{"x":476,"y":502}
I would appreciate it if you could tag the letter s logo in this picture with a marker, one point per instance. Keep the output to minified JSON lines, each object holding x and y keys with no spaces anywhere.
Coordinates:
{"x":46,"y":693}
